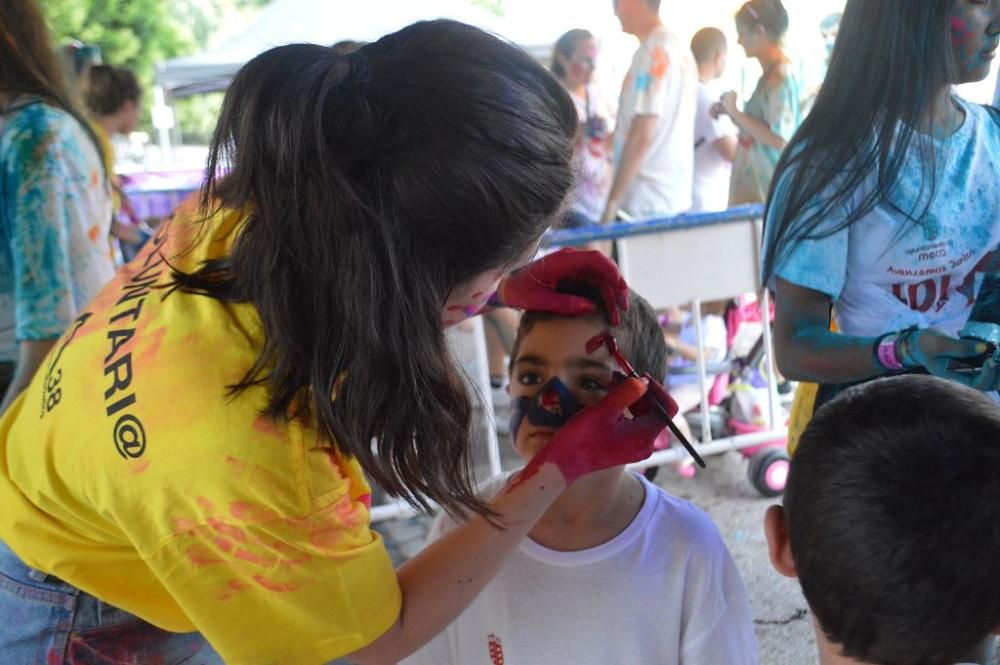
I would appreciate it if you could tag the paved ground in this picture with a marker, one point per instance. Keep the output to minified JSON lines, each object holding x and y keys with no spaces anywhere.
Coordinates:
{"x":784,"y":629}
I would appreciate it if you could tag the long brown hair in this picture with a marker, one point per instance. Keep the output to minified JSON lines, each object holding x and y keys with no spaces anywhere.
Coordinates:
{"x":29,"y":64}
{"x":379,"y":181}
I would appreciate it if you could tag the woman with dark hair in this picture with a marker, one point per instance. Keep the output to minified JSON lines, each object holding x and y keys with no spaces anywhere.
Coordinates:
{"x":56,"y":201}
{"x":772,"y":113}
{"x":885,"y":210}
{"x":193,"y":457}
{"x":573,"y":61}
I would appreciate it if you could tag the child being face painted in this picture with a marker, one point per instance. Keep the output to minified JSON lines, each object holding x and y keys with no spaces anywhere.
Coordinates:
{"x":552,"y":376}
{"x":652,"y":570}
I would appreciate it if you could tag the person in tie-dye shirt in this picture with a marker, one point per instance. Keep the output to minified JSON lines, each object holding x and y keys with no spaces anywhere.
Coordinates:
{"x":773,"y":112}
{"x":55,"y":206}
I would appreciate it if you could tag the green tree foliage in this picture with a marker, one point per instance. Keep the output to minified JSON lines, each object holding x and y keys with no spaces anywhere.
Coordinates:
{"x":140,"y":33}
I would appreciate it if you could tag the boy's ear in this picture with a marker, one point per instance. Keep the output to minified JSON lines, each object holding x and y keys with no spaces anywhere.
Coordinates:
{"x":776,"y":530}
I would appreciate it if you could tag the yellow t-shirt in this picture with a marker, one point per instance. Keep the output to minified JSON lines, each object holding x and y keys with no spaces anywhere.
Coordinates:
{"x":127,"y":470}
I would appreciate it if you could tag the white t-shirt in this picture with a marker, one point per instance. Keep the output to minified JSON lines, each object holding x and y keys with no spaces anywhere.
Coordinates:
{"x":711,"y":170}
{"x":931,"y":275}
{"x":662,"y":81}
{"x":591,"y":156}
{"x":664,"y":591}
{"x":714,"y":337}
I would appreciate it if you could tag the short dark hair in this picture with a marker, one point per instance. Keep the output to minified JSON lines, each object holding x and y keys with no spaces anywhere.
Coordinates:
{"x":707,"y":43}
{"x":639,"y":336}
{"x":892,"y":502}
{"x":108,"y":88}
{"x":769,"y":14}
{"x":378,"y":182}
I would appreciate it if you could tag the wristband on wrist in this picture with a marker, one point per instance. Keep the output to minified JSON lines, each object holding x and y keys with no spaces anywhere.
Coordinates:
{"x":903,"y":350}
{"x":885,"y":354}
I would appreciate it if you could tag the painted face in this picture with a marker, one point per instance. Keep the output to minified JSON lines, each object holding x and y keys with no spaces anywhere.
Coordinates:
{"x":975,"y":32}
{"x":751,"y":38}
{"x":469,"y":298}
{"x":552,"y":350}
{"x":580,"y":67}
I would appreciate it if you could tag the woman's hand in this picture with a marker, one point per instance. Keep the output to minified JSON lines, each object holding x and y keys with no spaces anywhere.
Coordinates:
{"x":934,"y":351}
{"x":726,"y":105}
{"x":534,"y":287}
{"x":601,"y":436}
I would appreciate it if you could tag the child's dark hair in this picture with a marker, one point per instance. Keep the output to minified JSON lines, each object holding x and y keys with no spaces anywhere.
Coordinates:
{"x":892,"y":503}
{"x":108,"y":88}
{"x":769,"y":14}
{"x":376,"y":183}
{"x":639,"y":336}
{"x":565,"y":46}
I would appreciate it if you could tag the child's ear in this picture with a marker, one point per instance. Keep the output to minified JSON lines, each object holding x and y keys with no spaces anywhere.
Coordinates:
{"x":776,"y":530}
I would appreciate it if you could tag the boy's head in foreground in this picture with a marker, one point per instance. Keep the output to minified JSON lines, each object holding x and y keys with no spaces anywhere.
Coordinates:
{"x":552,"y":375}
{"x":891,"y":522}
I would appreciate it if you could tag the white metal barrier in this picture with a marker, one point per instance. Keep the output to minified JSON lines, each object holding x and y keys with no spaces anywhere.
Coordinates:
{"x":685,"y":259}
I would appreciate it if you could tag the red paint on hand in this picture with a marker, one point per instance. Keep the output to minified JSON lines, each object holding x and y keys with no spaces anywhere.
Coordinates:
{"x":600,"y":436}
{"x":535,"y":287}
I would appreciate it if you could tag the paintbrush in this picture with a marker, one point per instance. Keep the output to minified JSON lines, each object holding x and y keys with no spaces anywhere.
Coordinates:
{"x":606,"y":339}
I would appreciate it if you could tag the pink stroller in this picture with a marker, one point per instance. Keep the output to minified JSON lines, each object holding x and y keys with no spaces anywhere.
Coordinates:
{"x":768,"y":467}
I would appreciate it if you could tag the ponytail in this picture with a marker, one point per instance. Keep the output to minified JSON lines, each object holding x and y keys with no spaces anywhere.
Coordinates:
{"x":379,"y":181}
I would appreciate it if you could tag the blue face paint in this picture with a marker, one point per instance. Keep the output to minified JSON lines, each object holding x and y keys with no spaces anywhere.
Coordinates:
{"x":551,"y":406}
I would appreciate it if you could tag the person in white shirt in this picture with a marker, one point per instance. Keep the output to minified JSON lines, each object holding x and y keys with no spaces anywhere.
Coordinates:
{"x":654,"y":133}
{"x":715,"y":138}
{"x":617,"y":570}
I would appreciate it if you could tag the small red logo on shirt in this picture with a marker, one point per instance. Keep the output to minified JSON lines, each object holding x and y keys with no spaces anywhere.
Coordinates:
{"x":496,"y":650}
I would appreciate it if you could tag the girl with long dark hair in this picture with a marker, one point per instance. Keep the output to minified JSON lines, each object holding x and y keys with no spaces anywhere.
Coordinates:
{"x":56,"y":200}
{"x":192,"y":457}
{"x":772,"y":114}
{"x":885,"y":209}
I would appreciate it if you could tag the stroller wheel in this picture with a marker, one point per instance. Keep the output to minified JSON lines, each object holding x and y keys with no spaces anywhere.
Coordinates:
{"x":768,"y":471}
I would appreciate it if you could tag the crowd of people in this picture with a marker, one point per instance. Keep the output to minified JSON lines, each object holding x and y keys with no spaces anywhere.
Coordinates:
{"x":187,"y":441}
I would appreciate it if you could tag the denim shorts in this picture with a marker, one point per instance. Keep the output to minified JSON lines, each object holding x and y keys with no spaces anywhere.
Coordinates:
{"x":43,"y":620}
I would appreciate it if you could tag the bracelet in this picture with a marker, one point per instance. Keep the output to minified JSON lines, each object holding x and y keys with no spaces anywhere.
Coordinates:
{"x":885,"y":355}
{"x":903,"y":350}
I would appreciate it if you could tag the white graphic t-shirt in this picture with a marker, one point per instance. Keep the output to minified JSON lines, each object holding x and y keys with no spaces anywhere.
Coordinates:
{"x":887,"y":273}
{"x":662,"y":81}
{"x":665,"y":590}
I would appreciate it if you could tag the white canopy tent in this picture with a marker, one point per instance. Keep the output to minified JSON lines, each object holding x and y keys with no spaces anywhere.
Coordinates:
{"x":328,"y":21}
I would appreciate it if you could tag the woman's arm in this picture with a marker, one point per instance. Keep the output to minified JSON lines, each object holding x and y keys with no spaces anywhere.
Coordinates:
{"x":807,"y":350}
{"x":753,"y":127}
{"x":804,"y":346}
{"x":441,"y":581}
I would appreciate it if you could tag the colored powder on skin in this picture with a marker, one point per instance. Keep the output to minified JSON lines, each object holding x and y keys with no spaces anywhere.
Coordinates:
{"x":960,"y":31}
